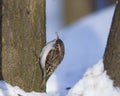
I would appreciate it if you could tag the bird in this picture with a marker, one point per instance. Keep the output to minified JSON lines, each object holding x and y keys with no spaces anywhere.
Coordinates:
{"x":50,"y":57}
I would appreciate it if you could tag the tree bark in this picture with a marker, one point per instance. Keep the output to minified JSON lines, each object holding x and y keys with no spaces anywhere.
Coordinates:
{"x":112,"y":52}
{"x":1,"y":76}
{"x":23,"y":35}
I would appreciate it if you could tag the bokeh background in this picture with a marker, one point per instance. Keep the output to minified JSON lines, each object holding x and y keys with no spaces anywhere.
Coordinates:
{"x":84,"y":26}
{"x":62,"y":13}
{"x":75,"y":9}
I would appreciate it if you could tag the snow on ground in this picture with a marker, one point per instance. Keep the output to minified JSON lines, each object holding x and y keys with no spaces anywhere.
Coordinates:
{"x":8,"y":90}
{"x":95,"y":82}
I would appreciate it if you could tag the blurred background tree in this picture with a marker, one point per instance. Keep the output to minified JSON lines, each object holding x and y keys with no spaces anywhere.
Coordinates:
{"x":66,"y":12}
{"x":79,"y":8}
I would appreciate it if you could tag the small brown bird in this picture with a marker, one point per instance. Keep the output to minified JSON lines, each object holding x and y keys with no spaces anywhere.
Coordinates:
{"x":50,"y":57}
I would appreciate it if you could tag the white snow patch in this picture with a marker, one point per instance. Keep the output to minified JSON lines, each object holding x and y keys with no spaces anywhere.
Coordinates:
{"x":95,"y":82}
{"x":8,"y":90}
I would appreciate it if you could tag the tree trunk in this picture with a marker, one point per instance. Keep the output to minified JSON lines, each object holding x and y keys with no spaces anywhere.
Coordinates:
{"x":112,"y":52}
{"x":1,"y":77}
{"x":23,"y":35}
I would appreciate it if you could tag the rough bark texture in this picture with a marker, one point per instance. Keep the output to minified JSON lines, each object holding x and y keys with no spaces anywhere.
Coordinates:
{"x":112,"y":53}
{"x":1,"y":77}
{"x":23,"y":34}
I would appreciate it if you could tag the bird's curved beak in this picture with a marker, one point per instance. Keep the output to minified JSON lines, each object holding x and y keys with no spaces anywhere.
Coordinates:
{"x":57,"y":35}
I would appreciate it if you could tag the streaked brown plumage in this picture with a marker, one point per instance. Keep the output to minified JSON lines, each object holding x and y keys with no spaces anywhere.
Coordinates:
{"x":53,"y":58}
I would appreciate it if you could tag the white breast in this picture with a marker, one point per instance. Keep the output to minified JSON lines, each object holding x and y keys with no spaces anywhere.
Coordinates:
{"x":46,"y":49}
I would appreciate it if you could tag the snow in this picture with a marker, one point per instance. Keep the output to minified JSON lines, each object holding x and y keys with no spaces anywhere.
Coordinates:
{"x":85,"y":42}
{"x":8,"y":90}
{"x":95,"y":82}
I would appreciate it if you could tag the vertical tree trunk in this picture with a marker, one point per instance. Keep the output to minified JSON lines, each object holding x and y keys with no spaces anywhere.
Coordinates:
{"x":1,"y":77}
{"x":23,"y":34}
{"x":112,"y":52}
